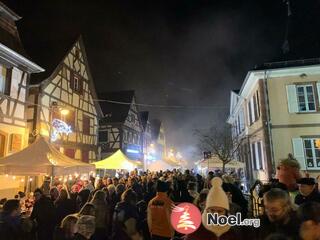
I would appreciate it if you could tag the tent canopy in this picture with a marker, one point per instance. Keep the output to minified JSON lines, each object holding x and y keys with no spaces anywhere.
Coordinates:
{"x":41,"y":158}
{"x":159,"y":165}
{"x":215,"y":162}
{"x":118,"y":160}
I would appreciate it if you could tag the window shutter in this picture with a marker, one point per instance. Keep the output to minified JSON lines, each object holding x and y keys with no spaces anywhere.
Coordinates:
{"x":298,"y":152}
{"x":292,"y":99}
{"x":258,"y":104}
{"x":7,"y":90}
{"x":80,"y":86}
{"x":249,"y":113}
{"x":318,"y":90}
{"x":253,"y":116}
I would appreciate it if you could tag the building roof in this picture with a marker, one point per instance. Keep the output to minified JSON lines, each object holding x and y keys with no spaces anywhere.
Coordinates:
{"x":144,"y":117}
{"x":117,"y":110}
{"x":8,"y":13}
{"x":9,"y":35}
{"x":286,"y":64}
{"x":50,"y":53}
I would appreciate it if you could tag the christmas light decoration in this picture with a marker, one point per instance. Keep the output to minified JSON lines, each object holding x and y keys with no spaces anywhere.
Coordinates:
{"x":58,"y":127}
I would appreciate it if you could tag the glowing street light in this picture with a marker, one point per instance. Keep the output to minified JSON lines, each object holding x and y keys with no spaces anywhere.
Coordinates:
{"x":64,"y":111}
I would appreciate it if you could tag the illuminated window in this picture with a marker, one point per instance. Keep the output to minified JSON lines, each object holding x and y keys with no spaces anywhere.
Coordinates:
{"x":312,"y":153}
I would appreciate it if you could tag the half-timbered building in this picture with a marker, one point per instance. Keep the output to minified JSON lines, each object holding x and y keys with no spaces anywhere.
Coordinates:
{"x":147,"y":145}
{"x":158,"y":138}
{"x":120,"y":128}
{"x":15,"y":69}
{"x":64,"y":109}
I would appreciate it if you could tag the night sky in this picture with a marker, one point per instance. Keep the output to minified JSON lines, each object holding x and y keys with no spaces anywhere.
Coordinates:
{"x":174,"y":52}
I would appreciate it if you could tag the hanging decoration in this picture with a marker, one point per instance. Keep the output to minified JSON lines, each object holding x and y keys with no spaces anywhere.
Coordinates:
{"x":59,"y":127}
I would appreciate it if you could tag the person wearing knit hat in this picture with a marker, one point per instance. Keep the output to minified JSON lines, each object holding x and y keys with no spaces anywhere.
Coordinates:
{"x":217,"y":202}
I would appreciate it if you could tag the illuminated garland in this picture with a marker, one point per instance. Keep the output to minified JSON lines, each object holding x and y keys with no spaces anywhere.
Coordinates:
{"x":59,"y":127}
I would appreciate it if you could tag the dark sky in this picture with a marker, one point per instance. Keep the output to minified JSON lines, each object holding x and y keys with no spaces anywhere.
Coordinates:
{"x":174,"y":52}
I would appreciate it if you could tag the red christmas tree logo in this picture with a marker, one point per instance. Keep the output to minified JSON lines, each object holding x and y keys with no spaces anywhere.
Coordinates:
{"x":185,"y":218}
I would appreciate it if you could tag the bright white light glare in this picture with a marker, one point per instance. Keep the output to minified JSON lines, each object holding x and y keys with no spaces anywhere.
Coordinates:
{"x":30,"y":179}
{"x":64,"y":111}
{"x":132,"y":151}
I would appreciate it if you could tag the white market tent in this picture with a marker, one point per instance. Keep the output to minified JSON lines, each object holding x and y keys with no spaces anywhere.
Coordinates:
{"x":159,"y":165}
{"x":118,"y":160}
{"x":41,"y":158}
{"x":215,"y":162}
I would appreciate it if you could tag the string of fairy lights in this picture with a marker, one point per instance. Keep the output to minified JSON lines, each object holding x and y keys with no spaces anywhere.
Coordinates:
{"x":63,"y":179}
{"x":158,"y":106}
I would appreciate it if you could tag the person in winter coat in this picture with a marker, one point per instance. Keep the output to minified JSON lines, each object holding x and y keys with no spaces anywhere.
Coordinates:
{"x":217,"y":202}
{"x":307,"y":191}
{"x":288,"y":172}
{"x":67,"y":229}
{"x":200,"y":201}
{"x":86,"y":227}
{"x":82,"y":198}
{"x":64,"y":206}
{"x":88,"y":209}
{"x":160,"y":205}
{"x":125,"y":217}
{"x":102,"y":215}
{"x":192,"y":190}
{"x":309,"y":215}
{"x":44,"y":214}
{"x":10,"y":221}
{"x":279,"y":216}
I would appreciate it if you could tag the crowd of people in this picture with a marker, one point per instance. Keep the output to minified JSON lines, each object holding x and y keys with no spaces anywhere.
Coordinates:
{"x":138,"y":206}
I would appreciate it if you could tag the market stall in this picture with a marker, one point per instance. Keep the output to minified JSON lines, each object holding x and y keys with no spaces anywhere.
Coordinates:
{"x":27,"y":169}
{"x":41,"y":158}
{"x":116,"y":161}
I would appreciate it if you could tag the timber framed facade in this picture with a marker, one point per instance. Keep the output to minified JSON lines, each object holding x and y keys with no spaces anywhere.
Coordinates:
{"x":15,"y":70}
{"x":69,"y":87}
{"x":121,"y":127}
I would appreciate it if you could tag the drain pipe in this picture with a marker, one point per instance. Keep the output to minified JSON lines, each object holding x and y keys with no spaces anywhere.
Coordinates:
{"x":268,"y":122}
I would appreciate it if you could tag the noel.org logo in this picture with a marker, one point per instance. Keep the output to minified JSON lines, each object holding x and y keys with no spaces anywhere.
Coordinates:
{"x":185,"y":218}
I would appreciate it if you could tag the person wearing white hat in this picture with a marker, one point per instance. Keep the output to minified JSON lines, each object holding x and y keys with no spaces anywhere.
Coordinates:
{"x":216,"y":202}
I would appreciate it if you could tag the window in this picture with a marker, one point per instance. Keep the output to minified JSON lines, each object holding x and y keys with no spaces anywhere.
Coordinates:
{"x":69,"y":152}
{"x":103,"y":136}
{"x":253,"y":155}
{"x":312,"y":152}
{"x":253,"y":108}
{"x":85,"y":156}
{"x":86,"y":125}
{"x":306,"y":100}
{"x":76,"y":83}
{"x":257,"y":155}
{"x":2,"y":79}
{"x":15,"y":142}
{"x":250,"y":112}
